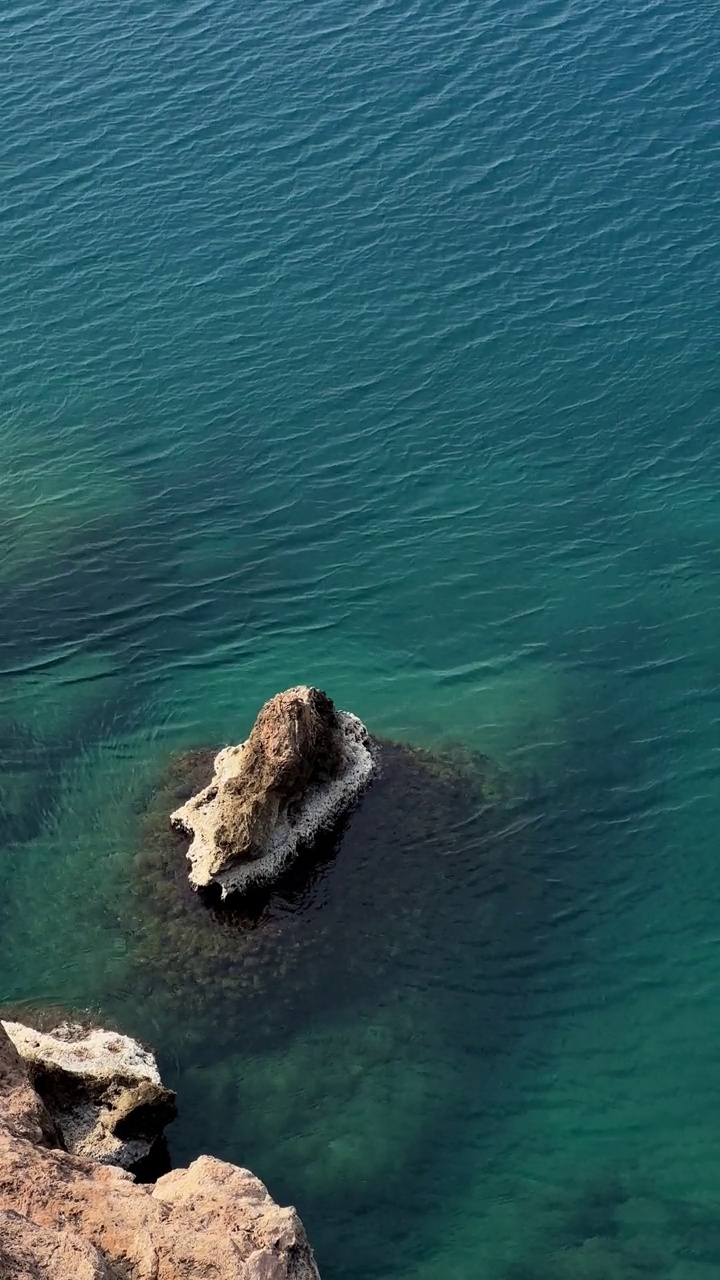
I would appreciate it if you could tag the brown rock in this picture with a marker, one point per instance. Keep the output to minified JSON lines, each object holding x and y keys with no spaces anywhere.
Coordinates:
{"x":212,"y":1221}
{"x":303,"y":764}
{"x":30,"y":1252}
{"x":22,"y":1111}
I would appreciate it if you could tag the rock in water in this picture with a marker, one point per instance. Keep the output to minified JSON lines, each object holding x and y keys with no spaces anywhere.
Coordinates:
{"x":102,"y":1090}
{"x":63,"y":1217}
{"x":303,"y":765}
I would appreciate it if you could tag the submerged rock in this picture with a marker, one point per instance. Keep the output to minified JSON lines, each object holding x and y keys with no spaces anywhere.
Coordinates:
{"x":608,"y":1225}
{"x":414,"y":868}
{"x":69,"y":1218}
{"x":302,"y":767}
{"x":102,"y":1091}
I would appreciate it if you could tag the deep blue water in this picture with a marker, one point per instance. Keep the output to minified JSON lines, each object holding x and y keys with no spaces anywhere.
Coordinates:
{"x":374,"y":346}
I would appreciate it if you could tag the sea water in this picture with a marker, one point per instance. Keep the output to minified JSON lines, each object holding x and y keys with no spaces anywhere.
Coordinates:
{"x":373,"y":345}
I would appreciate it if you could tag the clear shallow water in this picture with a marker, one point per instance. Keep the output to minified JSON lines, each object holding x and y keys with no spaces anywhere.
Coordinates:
{"x":374,"y":346}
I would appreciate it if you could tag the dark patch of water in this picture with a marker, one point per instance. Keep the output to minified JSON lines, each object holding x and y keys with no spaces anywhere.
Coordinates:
{"x":425,"y":845}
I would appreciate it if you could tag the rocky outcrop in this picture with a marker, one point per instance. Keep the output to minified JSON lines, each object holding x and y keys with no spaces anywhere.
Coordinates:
{"x":30,"y":1252}
{"x":69,"y":1218}
{"x":302,"y":766}
{"x":102,"y":1090}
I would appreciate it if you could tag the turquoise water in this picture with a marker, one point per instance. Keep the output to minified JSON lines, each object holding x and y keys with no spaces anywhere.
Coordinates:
{"x":374,"y":346}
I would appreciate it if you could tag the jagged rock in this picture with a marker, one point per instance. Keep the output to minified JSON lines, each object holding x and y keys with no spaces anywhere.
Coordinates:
{"x":102,"y":1091}
{"x":30,"y":1252}
{"x":69,"y":1218}
{"x":302,"y":766}
{"x":21,"y":1108}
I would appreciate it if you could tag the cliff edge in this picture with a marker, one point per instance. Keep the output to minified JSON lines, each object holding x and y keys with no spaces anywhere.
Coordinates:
{"x":66,"y":1217}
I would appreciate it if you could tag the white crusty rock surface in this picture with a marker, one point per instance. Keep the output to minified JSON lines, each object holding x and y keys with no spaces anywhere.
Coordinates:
{"x":303,"y":765}
{"x":63,"y":1217}
{"x":102,"y":1090}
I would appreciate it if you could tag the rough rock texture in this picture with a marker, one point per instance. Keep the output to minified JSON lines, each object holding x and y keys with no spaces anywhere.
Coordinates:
{"x":69,"y":1218}
{"x":302,"y":766}
{"x":21,"y":1109}
{"x":102,"y":1090}
{"x":30,"y":1252}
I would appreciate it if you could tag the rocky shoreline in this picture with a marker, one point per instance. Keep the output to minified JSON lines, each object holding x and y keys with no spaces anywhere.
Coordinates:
{"x":84,"y":1188}
{"x":103,"y":1092}
{"x":84,"y":1111}
{"x":64,"y":1216}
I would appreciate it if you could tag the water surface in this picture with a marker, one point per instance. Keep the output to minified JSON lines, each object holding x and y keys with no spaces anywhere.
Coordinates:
{"x":374,"y":346}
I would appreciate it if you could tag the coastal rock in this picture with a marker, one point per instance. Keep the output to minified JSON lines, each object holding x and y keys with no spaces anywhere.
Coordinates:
{"x":69,"y":1218}
{"x":30,"y":1252}
{"x":303,"y":765}
{"x":101,"y":1090}
{"x":396,"y":866}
